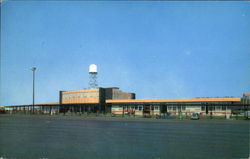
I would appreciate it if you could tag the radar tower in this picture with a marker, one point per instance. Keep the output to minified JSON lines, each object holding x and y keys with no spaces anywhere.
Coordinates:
{"x":93,"y":76}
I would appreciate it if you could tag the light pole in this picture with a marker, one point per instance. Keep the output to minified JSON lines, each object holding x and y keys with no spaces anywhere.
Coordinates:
{"x":33,"y":104}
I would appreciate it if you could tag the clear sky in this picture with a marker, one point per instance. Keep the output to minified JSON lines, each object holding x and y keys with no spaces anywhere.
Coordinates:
{"x":155,"y":49}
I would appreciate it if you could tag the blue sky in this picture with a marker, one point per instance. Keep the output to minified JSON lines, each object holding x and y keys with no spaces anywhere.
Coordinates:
{"x":155,"y":49}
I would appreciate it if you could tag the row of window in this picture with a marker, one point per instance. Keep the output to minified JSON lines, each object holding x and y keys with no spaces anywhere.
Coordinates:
{"x":215,"y":108}
{"x":121,"y":96}
{"x":140,"y":108}
{"x":81,"y":95}
{"x":175,"y":108}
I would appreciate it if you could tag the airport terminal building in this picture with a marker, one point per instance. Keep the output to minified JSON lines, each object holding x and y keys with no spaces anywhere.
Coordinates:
{"x":113,"y":100}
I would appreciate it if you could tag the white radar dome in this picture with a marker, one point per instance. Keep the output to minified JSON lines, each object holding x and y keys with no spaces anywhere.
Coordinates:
{"x":93,"y":68}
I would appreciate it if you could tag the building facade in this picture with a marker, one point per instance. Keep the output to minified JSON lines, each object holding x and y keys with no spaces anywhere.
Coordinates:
{"x":92,"y":100}
{"x":113,"y":100}
{"x":202,"y":106}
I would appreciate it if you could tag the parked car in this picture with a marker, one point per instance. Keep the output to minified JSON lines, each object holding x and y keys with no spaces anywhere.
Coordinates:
{"x":128,"y":112}
{"x":195,"y":116}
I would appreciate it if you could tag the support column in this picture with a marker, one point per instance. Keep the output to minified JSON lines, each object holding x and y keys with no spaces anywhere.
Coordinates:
{"x":64,"y":110}
{"x":50,"y":110}
{"x":80,"y":109}
{"x":123,"y":111}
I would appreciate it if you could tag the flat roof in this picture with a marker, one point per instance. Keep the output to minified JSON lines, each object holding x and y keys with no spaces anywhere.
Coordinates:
{"x":53,"y":103}
{"x":81,"y":91}
{"x":190,"y":100}
{"x":174,"y":100}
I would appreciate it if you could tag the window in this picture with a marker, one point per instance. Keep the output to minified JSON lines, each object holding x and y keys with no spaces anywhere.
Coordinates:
{"x":170,"y":108}
{"x":115,"y":106}
{"x":136,"y":107}
{"x":218,"y":108}
{"x":211,"y":108}
{"x":202,"y":108}
{"x":156,"y":107}
{"x":183,"y":108}
{"x":140,"y":108}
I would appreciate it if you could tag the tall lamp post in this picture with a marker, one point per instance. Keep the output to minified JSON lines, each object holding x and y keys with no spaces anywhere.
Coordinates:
{"x":33,"y":104}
